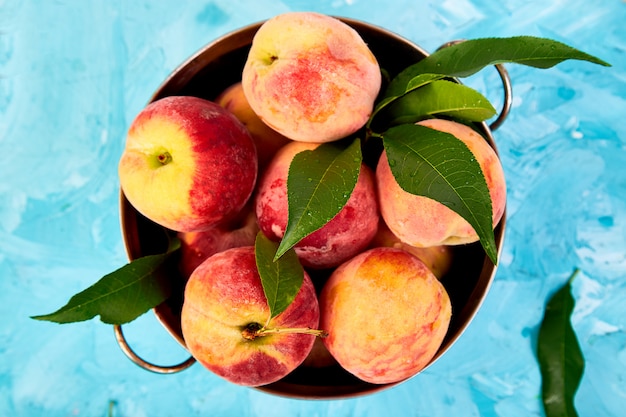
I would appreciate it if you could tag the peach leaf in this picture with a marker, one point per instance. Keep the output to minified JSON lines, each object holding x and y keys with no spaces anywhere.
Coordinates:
{"x":319,"y":184}
{"x":123,"y":295}
{"x":465,"y":58}
{"x":437,"y":99}
{"x":281,"y":278}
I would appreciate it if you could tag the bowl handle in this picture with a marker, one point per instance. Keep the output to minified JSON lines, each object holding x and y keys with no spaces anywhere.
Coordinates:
{"x":508,"y":97}
{"x":506,"y":84}
{"x":130,"y":353}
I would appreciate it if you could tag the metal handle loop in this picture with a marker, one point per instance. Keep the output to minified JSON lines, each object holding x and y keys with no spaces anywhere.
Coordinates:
{"x":121,"y":341}
{"x":506,"y":84}
{"x":508,"y":97}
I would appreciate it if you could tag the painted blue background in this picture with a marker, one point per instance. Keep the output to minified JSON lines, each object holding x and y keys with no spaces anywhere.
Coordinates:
{"x":73,"y":74}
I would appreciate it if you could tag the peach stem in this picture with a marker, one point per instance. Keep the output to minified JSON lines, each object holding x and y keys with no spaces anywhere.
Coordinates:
{"x":164,"y":158}
{"x":251,"y":332}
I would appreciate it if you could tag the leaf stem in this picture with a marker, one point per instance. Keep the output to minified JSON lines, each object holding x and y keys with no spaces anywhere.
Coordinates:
{"x":371,"y":134}
{"x":571,"y":278}
{"x":111,"y":408}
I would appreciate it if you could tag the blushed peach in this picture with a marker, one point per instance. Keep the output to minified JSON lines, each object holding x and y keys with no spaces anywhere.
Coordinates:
{"x":348,"y":233}
{"x":225,"y":312}
{"x":188,"y":164}
{"x":311,"y":77}
{"x":386,"y":315}
{"x":422,"y":222}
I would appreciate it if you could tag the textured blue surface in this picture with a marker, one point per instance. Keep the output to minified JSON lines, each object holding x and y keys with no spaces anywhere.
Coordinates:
{"x":72,"y":76}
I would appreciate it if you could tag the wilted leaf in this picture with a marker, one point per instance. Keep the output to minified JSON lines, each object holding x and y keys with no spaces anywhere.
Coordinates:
{"x":319,"y":185}
{"x":121,"y":296}
{"x":560,"y":358}
{"x":281,"y":278}
{"x":439,"y":166}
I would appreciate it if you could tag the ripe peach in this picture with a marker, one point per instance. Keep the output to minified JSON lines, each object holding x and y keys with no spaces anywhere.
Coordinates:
{"x":197,"y":246}
{"x":225,"y":321}
{"x":348,"y":233}
{"x":311,"y":77}
{"x":437,"y":258}
{"x":386,"y":315}
{"x":188,"y":164}
{"x":267,"y":140}
{"x":422,"y":222}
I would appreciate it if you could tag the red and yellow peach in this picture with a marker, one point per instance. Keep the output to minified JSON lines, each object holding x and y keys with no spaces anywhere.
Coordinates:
{"x":188,"y":164}
{"x":226,"y":321}
{"x":348,"y":233}
{"x":311,"y":77}
{"x":386,"y":315}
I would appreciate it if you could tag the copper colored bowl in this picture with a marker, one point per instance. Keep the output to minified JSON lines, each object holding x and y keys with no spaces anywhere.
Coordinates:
{"x":206,"y":74}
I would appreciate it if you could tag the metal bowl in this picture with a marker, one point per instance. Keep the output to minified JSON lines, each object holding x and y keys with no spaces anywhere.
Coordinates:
{"x":206,"y":74}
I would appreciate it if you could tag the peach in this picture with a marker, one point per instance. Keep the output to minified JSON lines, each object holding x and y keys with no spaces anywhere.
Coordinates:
{"x":386,"y":315}
{"x":348,"y":233}
{"x":188,"y":164}
{"x":311,"y":77}
{"x":196,"y":247}
{"x":420,"y":221}
{"x":226,"y":327}
{"x":437,"y":258}
{"x":267,"y":140}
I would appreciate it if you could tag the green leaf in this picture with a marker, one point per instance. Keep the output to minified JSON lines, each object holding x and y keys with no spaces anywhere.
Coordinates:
{"x":468,"y":57}
{"x":121,"y":296}
{"x":559,"y":355}
{"x":281,"y":278}
{"x":319,"y":184}
{"x":440,"y":98}
{"x":415,"y":83}
{"x":439,"y":166}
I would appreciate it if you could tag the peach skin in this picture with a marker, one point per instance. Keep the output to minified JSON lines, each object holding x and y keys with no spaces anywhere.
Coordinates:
{"x":267,"y":140}
{"x":437,"y":258}
{"x":311,"y":77}
{"x":195,"y":247}
{"x":188,"y":164}
{"x":386,"y":315}
{"x":225,"y":321}
{"x":348,"y":233}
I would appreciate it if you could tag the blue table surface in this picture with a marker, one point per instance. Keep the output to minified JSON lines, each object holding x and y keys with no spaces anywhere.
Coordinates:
{"x":73,"y":74}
